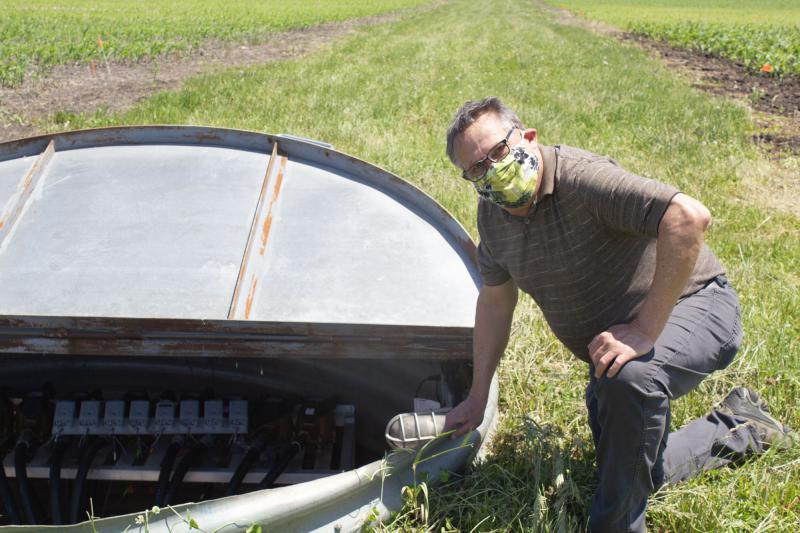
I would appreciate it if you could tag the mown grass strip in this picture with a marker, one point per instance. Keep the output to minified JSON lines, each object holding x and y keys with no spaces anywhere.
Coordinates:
{"x":387,"y":96}
{"x":37,"y":34}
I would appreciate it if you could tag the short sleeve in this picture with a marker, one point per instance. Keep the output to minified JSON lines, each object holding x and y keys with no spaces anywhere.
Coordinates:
{"x":492,"y":272}
{"x":623,"y":200}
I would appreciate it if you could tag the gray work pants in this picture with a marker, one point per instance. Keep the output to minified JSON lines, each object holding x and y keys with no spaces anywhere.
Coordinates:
{"x":629,"y":414}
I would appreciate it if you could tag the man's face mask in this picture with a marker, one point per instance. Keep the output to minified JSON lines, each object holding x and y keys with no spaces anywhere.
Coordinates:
{"x":511,"y":181}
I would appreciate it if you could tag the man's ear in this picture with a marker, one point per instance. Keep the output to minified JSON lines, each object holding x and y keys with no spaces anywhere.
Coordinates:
{"x":530,"y":135}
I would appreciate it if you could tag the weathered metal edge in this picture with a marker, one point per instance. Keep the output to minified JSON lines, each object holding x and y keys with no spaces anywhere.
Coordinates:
{"x":114,"y":336}
{"x":16,"y":204}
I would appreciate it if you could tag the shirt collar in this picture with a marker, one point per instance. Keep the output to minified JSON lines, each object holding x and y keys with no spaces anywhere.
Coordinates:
{"x":549,"y":175}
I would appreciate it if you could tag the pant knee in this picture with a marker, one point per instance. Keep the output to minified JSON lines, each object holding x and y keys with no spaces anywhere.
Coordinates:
{"x":630,"y":383}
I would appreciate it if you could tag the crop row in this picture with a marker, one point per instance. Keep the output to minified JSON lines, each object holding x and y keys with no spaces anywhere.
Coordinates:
{"x":38,"y":34}
{"x":770,"y":49}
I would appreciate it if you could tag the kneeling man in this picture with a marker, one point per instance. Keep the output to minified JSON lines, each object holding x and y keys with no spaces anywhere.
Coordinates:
{"x":617,"y":264}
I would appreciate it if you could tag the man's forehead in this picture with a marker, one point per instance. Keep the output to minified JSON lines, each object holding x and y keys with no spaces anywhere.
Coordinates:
{"x":482,"y":134}
{"x":487,"y":124}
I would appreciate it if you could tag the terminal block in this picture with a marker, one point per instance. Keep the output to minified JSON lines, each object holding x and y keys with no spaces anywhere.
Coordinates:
{"x":165,"y":417}
{"x":114,"y":415}
{"x":139,"y":416}
{"x":63,"y":417}
{"x":89,"y":415}
{"x":190,"y":413}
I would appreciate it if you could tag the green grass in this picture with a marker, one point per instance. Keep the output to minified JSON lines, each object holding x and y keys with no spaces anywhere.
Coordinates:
{"x":43,"y":33}
{"x":387,"y":95}
{"x":753,"y":32}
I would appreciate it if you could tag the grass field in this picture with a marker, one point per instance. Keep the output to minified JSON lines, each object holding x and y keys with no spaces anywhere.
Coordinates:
{"x":387,"y":95}
{"x":42,"y":33}
{"x":754,"y":32}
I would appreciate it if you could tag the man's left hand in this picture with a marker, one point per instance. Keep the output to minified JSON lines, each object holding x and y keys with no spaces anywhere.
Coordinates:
{"x":613,"y":348}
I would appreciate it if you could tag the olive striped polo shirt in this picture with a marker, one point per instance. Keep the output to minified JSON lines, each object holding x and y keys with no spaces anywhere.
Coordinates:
{"x":586,"y":251}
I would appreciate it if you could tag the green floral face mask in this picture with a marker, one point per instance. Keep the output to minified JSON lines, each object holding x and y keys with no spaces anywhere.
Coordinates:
{"x":510,"y":182}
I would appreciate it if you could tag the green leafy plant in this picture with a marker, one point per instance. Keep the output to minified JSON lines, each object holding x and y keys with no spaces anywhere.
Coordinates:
{"x":769,"y":49}
{"x":35,"y":35}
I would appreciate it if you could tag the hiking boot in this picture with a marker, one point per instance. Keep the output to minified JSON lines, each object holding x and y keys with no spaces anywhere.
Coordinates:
{"x":745,"y":403}
{"x":411,"y":430}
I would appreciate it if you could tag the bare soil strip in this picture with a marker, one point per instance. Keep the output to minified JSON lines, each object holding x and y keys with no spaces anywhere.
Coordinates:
{"x":83,"y":89}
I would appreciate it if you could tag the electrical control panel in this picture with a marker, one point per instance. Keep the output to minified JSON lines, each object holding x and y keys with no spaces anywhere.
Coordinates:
{"x":197,"y":441}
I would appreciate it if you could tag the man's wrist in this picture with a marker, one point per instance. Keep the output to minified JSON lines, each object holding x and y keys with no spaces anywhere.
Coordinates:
{"x":650,"y":328}
{"x":479,"y":393}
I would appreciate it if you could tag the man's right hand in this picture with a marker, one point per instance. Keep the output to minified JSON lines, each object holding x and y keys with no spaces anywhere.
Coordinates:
{"x":465,"y":417}
{"x":493,"y":313}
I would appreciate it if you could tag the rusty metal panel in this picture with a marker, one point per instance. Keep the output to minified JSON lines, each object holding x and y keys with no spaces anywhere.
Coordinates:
{"x":153,"y":222}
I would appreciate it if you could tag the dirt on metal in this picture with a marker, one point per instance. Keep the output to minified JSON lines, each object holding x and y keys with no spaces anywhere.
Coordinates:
{"x":82,"y":88}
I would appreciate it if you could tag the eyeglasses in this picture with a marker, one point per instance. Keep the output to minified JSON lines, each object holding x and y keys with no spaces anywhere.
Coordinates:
{"x":479,"y":169}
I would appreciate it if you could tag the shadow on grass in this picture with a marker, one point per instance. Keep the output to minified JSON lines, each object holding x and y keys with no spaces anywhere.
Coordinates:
{"x":543,"y":477}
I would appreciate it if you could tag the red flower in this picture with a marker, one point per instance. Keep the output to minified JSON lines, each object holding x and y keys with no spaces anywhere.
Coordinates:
{"x":767,"y":68}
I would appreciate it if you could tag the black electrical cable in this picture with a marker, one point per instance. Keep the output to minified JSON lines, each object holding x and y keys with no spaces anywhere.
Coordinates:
{"x":56,"y":516}
{"x":9,"y":504}
{"x":186,"y":462}
{"x":166,"y":470}
{"x":30,"y":507}
{"x":89,"y":451}
{"x":250,"y":457}
{"x":283,"y":456}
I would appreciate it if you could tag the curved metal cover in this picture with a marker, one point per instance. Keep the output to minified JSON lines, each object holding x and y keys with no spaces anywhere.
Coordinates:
{"x":205,"y":223}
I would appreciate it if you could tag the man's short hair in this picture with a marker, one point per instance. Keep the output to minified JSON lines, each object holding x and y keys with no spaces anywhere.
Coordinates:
{"x":470,"y":112}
